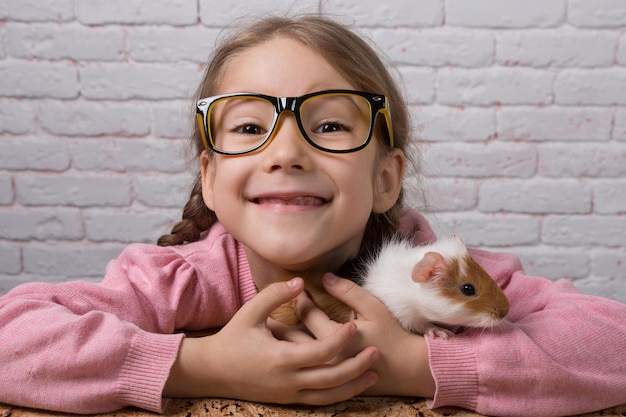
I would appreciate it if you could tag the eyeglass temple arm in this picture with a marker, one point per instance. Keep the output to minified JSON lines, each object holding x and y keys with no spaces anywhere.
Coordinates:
{"x":203,"y":128}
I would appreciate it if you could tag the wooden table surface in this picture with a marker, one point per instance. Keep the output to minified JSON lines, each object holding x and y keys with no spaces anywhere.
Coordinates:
{"x":359,"y":406}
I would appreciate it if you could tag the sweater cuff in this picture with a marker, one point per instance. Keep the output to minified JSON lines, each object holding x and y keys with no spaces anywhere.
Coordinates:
{"x":146,"y":369}
{"x":453,"y":366}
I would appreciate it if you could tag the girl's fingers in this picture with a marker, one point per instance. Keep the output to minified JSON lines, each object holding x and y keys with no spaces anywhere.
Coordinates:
{"x":362,"y":302}
{"x":318,"y":352}
{"x":341,"y":393}
{"x":314,"y":318}
{"x":257,"y":310}
{"x":295,"y":334}
{"x":335,"y":383}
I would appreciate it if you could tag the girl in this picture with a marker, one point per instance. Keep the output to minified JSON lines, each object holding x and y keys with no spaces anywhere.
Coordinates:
{"x":301,"y":137}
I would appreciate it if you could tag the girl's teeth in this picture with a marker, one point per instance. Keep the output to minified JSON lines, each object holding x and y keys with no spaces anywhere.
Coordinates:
{"x":296,"y":201}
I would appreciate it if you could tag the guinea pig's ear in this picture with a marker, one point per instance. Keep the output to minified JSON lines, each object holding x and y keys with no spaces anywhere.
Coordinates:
{"x":431,"y":265}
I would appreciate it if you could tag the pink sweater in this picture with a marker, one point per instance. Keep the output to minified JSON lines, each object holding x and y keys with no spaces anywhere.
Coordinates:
{"x":89,"y":348}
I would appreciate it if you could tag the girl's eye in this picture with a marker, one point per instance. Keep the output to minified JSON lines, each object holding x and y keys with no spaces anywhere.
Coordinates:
{"x":327,"y":128}
{"x":331,"y":127}
{"x":250,"y":130}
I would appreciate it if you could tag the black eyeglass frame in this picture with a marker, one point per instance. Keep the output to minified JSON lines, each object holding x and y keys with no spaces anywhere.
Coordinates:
{"x":378,"y":103}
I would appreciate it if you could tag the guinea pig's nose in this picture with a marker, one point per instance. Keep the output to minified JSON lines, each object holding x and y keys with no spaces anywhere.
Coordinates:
{"x":500,"y":312}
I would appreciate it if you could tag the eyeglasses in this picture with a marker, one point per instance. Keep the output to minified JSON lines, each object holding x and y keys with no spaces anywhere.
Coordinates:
{"x":335,"y":121}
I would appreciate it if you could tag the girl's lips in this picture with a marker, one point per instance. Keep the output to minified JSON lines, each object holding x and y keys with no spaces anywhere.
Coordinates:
{"x":291,"y":201}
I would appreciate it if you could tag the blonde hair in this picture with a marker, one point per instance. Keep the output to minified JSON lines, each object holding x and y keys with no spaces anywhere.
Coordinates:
{"x":352,"y":57}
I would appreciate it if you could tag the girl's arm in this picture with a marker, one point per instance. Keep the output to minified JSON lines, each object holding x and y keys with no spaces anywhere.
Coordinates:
{"x":89,"y":348}
{"x":560,"y":353}
{"x":92,"y":348}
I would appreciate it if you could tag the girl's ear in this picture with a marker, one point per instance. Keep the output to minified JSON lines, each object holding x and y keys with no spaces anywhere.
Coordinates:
{"x":388,"y":180}
{"x":207,"y":171}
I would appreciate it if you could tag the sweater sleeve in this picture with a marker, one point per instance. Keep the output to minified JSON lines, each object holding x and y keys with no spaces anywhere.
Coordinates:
{"x":90,"y":348}
{"x":558,"y":353}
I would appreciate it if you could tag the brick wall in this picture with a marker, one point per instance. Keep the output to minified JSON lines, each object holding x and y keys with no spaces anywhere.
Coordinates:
{"x":519,"y":109}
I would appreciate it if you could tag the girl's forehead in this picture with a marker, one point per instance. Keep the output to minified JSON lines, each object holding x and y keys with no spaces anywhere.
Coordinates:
{"x":281,"y":66}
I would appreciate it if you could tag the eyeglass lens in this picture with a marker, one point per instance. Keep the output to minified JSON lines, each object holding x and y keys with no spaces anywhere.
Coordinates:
{"x":331,"y":121}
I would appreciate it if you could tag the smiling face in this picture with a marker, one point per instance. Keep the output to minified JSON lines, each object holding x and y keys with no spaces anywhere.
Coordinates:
{"x":294,"y":207}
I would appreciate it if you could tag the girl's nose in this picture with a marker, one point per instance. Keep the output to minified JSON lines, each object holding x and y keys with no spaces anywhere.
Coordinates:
{"x":287,"y":149}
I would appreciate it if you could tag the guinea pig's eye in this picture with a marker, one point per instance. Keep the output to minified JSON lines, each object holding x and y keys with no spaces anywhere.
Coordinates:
{"x":468,"y":289}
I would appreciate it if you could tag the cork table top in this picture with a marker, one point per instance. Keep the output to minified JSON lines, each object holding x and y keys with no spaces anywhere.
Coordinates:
{"x":359,"y":406}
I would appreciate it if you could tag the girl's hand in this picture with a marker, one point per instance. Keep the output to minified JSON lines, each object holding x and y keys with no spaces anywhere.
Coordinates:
{"x":403,"y":368}
{"x":244,"y":360}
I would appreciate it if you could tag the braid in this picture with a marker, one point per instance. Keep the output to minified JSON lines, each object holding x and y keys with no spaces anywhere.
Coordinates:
{"x":197,"y":218}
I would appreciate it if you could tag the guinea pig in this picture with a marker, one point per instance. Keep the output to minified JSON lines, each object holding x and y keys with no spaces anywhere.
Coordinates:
{"x":434,"y":284}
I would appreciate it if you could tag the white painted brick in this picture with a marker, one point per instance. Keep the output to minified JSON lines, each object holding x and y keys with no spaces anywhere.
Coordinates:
{"x":393,"y":13}
{"x":462,"y":124}
{"x":10,"y":258}
{"x":492,"y":86}
{"x":505,"y":13}
{"x":613,"y":288}
{"x":488,"y":229}
{"x":480,"y":160}
{"x":553,"y":262}
{"x":70,"y":260}
{"x":609,"y":196}
{"x":597,"y":13}
{"x":584,"y":230}
{"x":619,"y":127}
{"x":169,"y":12}
{"x":17,"y":116}
{"x":621,"y":51}
{"x":41,"y":223}
{"x":145,"y":81}
{"x":36,"y":153}
{"x":38,"y":79}
{"x":3,"y":53}
{"x":163,"y":190}
{"x":65,"y":41}
{"x":554,"y":123}
{"x":451,"y":194}
{"x":610,"y":264}
{"x":173,"y":119}
{"x":583,"y":86}
{"x":536,"y":197}
{"x":7,"y":195}
{"x":582,"y":160}
{"x":82,"y":190}
{"x":8,"y":282}
{"x":419,"y":84}
{"x":221,"y":13}
{"x":437,"y":47}
{"x":128,"y":226}
{"x":88,"y":118}
{"x":33,"y":10}
{"x":563,"y":47}
{"x":167,"y":44}
{"x":130,"y":155}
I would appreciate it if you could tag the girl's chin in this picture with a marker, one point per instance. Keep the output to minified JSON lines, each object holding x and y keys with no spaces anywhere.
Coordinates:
{"x":302,"y":263}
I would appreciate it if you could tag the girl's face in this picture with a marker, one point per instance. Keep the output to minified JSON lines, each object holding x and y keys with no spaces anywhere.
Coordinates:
{"x":295,"y":207}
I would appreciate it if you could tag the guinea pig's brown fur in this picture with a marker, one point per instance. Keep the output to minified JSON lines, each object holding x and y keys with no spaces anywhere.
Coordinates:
{"x":489,"y":297}
{"x":287,"y":313}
